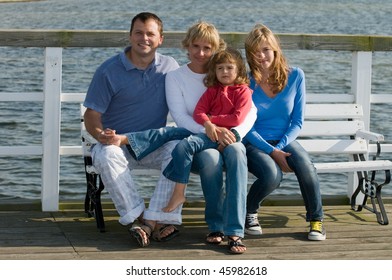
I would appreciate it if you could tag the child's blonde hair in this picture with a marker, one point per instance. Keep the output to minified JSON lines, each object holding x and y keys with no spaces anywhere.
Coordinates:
{"x":228,"y":55}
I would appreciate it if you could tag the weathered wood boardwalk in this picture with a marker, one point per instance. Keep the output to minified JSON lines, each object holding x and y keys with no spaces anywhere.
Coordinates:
{"x":69,"y":234}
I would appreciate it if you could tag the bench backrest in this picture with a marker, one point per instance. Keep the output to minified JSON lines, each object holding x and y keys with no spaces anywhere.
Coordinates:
{"x":331,"y":129}
{"x":327,"y":129}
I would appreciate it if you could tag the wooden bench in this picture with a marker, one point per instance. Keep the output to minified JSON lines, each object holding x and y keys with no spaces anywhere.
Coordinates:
{"x":339,"y":130}
{"x":336,"y":131}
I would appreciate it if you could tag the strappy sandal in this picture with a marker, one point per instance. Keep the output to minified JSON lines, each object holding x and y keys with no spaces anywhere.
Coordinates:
{"x":137,"y":234}
{"x":235,"y":243}
{"x":157,"y":234}
{"x":215,"y":234}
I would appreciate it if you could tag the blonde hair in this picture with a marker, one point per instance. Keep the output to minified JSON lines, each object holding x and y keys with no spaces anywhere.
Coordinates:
{"x":203,"y":31}
{"x":278,"y":70}
{"x":228,"y":55}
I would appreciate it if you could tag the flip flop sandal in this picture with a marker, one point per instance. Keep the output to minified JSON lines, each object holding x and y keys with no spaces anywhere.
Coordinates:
{"x":214,"y":235}
{"x":156,"y":235}
{"x":235,"y":243}
{"x":137,"y":234}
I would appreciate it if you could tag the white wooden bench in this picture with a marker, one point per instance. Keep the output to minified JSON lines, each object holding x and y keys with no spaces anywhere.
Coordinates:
{"x":339,"y":130}
{"x":336,"y":130}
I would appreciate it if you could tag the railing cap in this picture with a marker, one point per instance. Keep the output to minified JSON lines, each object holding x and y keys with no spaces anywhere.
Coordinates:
{"x":119,"y":38}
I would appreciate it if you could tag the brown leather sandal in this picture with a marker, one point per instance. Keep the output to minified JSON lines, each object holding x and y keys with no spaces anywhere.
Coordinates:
{"x":157,"y":233}
{"x":139,"y":232}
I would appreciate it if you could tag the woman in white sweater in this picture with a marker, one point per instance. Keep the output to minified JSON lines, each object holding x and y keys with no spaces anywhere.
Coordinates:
{"x":225,"y":203}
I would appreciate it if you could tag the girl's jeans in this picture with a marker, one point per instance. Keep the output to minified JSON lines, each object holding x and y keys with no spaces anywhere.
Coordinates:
{"x":142,"y":143}
{"x":179,"y":168}
{"x":269,"y":176}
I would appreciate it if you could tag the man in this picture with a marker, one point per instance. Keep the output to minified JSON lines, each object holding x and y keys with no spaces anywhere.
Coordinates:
{"x":127,"y":94}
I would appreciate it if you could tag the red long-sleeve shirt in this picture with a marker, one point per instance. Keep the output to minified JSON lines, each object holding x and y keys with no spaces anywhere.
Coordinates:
{"x":226,"y":106}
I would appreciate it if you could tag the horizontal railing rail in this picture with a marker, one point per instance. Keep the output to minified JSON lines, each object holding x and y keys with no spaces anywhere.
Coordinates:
{"x":118,"y":38}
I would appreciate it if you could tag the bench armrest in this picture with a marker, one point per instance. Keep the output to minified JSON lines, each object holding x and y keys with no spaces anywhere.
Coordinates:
{"x":368,"y":135}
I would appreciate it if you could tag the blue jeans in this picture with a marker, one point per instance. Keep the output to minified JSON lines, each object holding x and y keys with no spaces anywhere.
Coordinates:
{"x":142,"y":143}
{"x":179,"y":168}
{"x":225,"y":208}
{"x":269,"y":176}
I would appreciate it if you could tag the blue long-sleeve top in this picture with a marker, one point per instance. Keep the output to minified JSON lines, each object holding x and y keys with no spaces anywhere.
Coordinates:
{"x":279,"y":118}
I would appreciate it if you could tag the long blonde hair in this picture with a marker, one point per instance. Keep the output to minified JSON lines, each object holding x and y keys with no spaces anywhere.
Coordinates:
{"x":278,"y":70}
{"x":229,"y":55}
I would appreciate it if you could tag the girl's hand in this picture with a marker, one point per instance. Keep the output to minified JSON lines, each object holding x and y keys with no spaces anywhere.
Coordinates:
{"x":280,"y":157}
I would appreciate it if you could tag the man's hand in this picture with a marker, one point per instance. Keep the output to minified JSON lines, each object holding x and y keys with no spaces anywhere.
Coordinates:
{"x":109,"y":137}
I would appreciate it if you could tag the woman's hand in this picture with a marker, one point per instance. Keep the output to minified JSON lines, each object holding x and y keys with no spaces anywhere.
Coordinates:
{"x":225,"y":136}
{"x":280,"y":157}
{"x":211,"y":131}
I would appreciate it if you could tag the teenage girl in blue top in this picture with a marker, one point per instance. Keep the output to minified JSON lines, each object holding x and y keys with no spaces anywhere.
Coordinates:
{"x":279,"y":95}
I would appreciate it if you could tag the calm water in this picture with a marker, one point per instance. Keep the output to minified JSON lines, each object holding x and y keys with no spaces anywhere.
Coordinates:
{"x":21,"y":70}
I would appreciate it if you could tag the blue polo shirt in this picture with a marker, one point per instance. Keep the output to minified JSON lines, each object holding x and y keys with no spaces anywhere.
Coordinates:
{"x":128,"y":98}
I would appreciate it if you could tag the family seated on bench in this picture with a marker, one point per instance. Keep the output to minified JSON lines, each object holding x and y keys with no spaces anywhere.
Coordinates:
{"x":268,"y":149}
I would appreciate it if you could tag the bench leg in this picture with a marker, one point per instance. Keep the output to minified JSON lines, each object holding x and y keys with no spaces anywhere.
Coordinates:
{"x":87,"y":203}
{"x":381,"y":214}
{"x":373,"y":190}
{"x":92,"y":203}
{"x":91,"y":187}
{"x":98,"y":207}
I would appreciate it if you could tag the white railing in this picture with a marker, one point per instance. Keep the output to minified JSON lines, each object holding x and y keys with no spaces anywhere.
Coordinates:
{"x":52,"y":97}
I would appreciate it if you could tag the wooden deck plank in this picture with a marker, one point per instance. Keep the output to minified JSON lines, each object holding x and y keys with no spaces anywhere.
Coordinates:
{"x":69,"y":234}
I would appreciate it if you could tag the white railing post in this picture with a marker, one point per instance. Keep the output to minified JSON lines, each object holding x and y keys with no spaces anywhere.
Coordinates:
{"x":51,"y":130}
{"x":361,"y":82}
{"x":361,"y":85}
